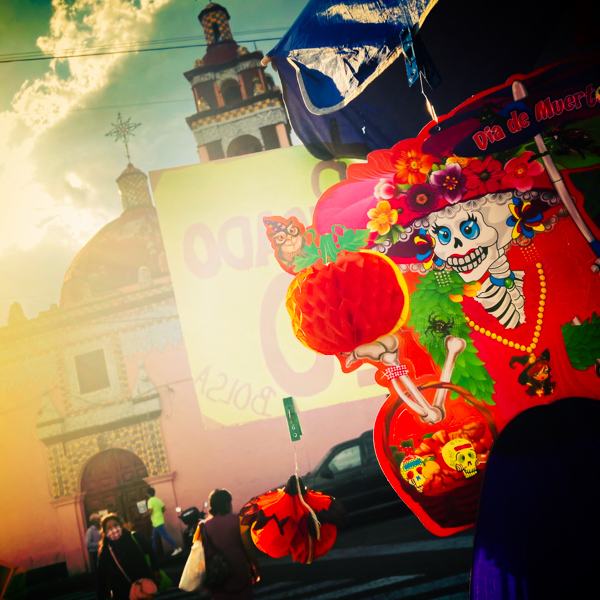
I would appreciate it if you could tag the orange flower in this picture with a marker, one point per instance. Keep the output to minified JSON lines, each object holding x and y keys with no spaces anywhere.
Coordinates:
{"x":461,"y":160}
{"x":412,"y":166}
{"x":383,"y":216}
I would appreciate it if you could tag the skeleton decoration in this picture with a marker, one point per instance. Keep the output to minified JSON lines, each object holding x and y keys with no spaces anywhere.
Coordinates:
{"x":473,"y":243}
{"x":385,"y":350}
{"x":497,"y":254}
{"x":412,"y":470}
{"x":459,"y":454}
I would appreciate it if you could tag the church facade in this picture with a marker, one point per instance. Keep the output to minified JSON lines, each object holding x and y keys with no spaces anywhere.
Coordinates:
{"x":97,"y":400}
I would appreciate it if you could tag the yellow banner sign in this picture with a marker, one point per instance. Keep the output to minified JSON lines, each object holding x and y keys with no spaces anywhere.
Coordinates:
{"x":230,"y":289}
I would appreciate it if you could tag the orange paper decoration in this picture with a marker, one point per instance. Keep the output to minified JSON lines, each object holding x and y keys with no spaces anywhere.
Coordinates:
{"x":284,"y":522}
{"x":336,"y":307}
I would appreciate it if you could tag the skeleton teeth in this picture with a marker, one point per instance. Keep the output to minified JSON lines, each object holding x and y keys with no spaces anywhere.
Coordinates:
{"x":468,"y":262}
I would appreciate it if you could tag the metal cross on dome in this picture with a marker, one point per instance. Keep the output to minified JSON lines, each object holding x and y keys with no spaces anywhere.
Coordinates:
{"x":121,"y":131}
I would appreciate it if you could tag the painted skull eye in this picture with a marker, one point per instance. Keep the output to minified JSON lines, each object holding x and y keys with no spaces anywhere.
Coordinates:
{"x":461,"y":458}
{"x":410,"y":474}
{"x":469,"y":229}
{"x":419,"y":470}
{"x":444,"y":235}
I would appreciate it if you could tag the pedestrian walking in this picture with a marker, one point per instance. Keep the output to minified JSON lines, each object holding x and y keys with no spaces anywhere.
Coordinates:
{"x":122,"y":563}
{"x":156,"y":508}
{"x":92,"y":541}
{"x":224,"y":532}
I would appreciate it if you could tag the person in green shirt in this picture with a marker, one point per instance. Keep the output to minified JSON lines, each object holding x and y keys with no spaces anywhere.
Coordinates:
{"x":156,"y":508}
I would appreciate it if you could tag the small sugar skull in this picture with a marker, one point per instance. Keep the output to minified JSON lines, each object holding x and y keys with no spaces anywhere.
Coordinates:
{"x":459,"y":454}
{"x":411,"y":469}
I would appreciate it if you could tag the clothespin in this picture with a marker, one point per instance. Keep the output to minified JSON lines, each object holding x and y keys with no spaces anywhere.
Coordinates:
{"x":292,"y":419}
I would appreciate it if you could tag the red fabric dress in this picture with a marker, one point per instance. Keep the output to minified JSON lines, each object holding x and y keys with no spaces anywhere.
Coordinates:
{"x":572,"y":290}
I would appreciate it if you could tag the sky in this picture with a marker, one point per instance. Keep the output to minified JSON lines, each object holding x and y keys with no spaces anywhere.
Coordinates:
{"x":57,"y":166}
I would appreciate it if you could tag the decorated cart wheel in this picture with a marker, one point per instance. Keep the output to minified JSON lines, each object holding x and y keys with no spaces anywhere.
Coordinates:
{"x":437,"y":469}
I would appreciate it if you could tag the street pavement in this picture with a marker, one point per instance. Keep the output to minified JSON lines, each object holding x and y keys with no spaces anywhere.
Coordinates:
{"x":385,"y":559}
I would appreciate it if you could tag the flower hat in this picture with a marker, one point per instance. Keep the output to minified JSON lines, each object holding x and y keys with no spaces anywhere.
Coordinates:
{"x":395,"y":190}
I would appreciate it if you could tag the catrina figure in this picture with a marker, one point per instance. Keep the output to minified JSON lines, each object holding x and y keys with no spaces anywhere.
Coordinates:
{"x":494,"y":257}
{"x":536,"y":375}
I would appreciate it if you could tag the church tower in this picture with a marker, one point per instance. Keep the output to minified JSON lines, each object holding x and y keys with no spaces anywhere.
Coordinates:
{"x":238,"y":108}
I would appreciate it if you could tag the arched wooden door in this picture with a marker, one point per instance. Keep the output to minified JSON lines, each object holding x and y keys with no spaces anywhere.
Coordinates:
{"x":113,"y":482}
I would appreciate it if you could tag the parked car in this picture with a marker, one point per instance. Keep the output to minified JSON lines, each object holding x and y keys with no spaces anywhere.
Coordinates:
{"x":350,"y":473}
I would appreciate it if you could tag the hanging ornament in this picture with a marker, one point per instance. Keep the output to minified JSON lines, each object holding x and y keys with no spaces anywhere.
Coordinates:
{"x":293,"y":520}
{"x":337,"y":306}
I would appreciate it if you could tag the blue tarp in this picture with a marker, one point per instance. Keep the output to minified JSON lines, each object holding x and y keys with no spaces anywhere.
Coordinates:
{"x":344,"y":74}
{"x":338,"y":47}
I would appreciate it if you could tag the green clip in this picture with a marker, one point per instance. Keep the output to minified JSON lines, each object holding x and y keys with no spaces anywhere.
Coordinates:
{"x":292,"y":418}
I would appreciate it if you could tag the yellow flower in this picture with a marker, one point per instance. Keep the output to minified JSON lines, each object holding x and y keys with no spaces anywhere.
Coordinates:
{"x":383,"y":216}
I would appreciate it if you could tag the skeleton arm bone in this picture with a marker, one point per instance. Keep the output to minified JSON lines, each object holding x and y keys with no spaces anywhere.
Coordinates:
{"x":454,"y":346}
{"x":431,"y":414}
{"x":385,"y":351}
{"x":418,"y":408}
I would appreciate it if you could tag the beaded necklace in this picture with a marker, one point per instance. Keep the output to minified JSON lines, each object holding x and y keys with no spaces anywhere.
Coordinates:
{"x":538,"y":327}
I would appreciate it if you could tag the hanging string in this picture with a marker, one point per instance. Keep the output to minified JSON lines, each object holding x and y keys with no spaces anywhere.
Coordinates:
{"x":429,"y":105}
{"x":313,"y":517}
{"x":297,"y":471}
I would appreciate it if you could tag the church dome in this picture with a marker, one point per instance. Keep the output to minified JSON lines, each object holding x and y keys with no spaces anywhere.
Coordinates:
{"x":122,"y":251}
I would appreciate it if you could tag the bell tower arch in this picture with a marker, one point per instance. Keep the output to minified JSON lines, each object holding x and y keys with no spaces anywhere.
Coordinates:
{"x":235,"y":99}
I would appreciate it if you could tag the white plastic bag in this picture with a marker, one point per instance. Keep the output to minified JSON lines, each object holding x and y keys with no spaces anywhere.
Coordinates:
{"x":191,"y":578}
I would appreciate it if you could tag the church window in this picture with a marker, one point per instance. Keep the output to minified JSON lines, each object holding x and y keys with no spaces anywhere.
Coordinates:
{"x":92,"y":373}
{"x":231,"y":92}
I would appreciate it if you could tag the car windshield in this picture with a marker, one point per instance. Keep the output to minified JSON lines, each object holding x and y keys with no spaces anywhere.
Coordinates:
{"x":336,"y":449}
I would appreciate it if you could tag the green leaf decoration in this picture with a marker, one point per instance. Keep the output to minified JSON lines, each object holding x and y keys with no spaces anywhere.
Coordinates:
{"x":399,"y":456}
{"x":392,"y":235}
{"x":353,"y":239}
{"x":583,"y":343}
{"x":434,"y":316}
{"x":310,"y":255}
{"x":330,"y":245}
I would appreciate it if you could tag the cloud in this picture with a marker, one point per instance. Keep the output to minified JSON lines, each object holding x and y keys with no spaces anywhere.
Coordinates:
{"x":51,"y":204}
{"x":33,"y":209}
{"x":82,"y":24}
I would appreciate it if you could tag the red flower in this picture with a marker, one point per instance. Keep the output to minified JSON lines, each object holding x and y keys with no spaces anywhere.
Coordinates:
{"x":484,"y":176}
{"x":520,"y":172}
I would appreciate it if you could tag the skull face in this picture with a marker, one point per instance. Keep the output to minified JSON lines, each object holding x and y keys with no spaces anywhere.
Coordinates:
{"x":466,"y":243}
{"x":411,"y":470}
{"x":459,"y":454}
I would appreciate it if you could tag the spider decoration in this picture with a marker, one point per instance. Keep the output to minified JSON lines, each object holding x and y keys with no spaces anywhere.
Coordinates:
{"x":439,"y":327}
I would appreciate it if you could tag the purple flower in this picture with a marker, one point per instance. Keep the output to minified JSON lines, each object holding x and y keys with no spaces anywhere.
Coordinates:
{"x":421,"y":198}
{"x":449,"y":183}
